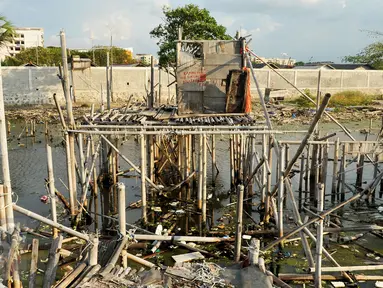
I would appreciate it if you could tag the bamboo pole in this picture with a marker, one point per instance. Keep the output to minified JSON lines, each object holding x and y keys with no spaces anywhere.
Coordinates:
{"x":5,"y":162}
{"x":176,"y":238}
{"x":264,"y":169}
{"x":366,"y":191}
{"x":50,"y":222}
{"x":90,"y":274}
{"x":281,"y":189}
{"x":213,"y":160}
{"x":300,"y":188}
{"x":335,"y":171}
{"x":308,"y":232}
{"x":3,"y":218}
{"x":303,"y":144}
{"x":71,"y":154}
{"x":121,"y":208}
{"x":72,"y":276}
{"x":343,"y":171}
{"x":143,"y":182}
{"x":204,"y":187}
{"x":232,"y":173}
{"x":319,"y":247}
{"x":34,"y":261}
{"x":140,"y":260}
{"x":50,"y":272}
{"x":82,"y":159}
{"x":93,"y":254}
{"x":113,"y":260}
{"x":348,"y":268}
{"x":238,"y":234}
{"x":269,"y":183}
{"x":52,"y":189}
{"x":200,"y":173}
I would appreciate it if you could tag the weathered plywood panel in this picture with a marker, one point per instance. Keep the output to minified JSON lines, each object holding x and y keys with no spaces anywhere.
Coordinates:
{"x":223,"y":59}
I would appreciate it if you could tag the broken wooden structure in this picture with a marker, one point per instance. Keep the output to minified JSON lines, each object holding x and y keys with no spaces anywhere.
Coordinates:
{"x":177,"y":147}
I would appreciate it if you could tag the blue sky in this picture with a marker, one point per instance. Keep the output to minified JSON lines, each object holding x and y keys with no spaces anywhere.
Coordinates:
{"x":303,"y":29}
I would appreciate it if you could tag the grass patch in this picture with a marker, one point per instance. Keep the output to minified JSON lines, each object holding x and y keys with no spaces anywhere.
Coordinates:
{"x":340,"y":99}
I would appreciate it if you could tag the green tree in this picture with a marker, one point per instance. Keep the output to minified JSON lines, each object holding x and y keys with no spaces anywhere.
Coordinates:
{"x":7,"y":31}
{"x":299,"y":63}
{"x":372,"y":54}
{"x":51,"y":56}
{"x":196,"y":24}
{"x":120,"y":55}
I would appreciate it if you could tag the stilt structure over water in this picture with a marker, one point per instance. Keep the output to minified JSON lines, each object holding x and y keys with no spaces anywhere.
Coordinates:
{"x":178,"y":165}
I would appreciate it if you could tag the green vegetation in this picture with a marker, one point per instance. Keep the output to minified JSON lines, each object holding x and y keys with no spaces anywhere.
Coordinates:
{"x":372,"y":54}
{"x":338,"y":100}
{"x":51,"y":56}
{"x":196,"y":24}
{"x":6,"y":31}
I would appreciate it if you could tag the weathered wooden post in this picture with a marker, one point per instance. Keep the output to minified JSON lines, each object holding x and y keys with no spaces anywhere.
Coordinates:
{"x":335,"y":171}
{"x":213,"y":160}
{"x":5,"y":162}
{"x":93,"y":255}
{"x":255,"y":244}
{"x":238,"y":234}
{"x":204,"y":172}
{"x":281,"y":189}
{"x":69,"y":137}
{"x":121,"y":208}
{"x":319,"y":247}
{"x":34,"y":261}
{"x":52,"y":189}
{"x":143,"y":175}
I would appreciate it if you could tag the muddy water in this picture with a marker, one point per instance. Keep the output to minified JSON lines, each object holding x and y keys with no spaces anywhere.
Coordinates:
{"x":28,"y":170}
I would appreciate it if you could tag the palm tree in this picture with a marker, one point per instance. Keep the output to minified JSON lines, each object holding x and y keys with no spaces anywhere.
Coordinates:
{"x":7,"y":31}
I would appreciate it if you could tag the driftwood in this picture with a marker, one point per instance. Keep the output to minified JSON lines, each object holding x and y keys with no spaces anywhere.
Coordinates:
{"x":50,"y":273}
{"x":34,"y":261}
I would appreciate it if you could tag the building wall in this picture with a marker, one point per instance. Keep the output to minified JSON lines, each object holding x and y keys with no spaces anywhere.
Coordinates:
{"x":36,"y":85}
{"x":24,"y":38}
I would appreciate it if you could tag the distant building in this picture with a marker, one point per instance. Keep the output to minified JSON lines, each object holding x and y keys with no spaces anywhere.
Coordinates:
{"x":26,"y":37}
{"x":333,"y":66}
{"x":145,"y":59}
{"x":278,"y":61}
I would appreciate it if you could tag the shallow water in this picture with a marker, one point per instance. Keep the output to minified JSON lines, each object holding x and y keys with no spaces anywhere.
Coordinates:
{"x":27,"y":159}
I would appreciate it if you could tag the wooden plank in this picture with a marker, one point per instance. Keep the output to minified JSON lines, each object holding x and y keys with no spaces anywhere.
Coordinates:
{"x":188,"y":257}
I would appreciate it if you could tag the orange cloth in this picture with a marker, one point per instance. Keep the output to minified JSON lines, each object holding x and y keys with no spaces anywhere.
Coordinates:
{"x":247,"y":100}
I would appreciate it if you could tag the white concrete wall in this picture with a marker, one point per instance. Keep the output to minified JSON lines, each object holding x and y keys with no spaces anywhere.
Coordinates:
{"x":36,"y":85}
{"x":332,"y":81}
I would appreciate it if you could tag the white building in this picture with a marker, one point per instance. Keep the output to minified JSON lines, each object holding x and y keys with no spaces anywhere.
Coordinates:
{"x":279,"y":61}
{"x":24,"y":38}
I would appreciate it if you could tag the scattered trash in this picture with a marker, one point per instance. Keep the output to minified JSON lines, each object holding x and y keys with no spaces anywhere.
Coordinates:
{"x":44,"y":199}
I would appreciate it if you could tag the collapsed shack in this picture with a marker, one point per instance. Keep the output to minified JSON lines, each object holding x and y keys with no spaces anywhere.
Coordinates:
{"x":287,"y":181}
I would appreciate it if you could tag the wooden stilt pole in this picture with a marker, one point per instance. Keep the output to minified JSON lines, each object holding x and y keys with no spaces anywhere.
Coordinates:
{"x":318,"y":262}
{"x":204,"y":181}
{"x":200,"y":173}
{"x":121,"y":208}
{"x":50,"y":272}
{"x":335,"y":171}
{"x":343,"y":171}
{"x":269,"y":182}
{"x":69,"y":137}
{"x":3,"y":218}
{"x":281,"y":190}
{"x":52,"y":189}
{"x":213,"y":160}
{"x":264,"y":169}
{"x":238,"y":234}
{"x":34,"y":262}
{"x":143,"y":175}
{"x":300,"y":189}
